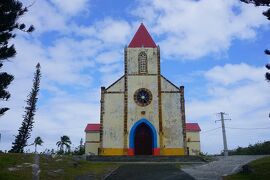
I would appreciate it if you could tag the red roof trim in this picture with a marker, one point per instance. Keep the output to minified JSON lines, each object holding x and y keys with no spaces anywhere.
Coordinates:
{"x":92,"y":127}
{"x":192,"y":127}
{"x":142,"y":38}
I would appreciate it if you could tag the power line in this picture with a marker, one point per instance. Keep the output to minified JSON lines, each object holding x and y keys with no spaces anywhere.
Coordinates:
{"x":248,"y":128}
{"x":209,"y":130}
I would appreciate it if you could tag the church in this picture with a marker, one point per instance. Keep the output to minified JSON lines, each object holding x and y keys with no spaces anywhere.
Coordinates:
{"x":142,"y":113}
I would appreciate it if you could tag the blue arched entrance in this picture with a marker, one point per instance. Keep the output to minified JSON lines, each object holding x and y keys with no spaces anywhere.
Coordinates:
{"x":145,"y":128}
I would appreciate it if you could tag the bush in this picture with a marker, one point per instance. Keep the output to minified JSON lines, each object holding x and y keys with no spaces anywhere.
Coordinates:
{"x":256,"y":149}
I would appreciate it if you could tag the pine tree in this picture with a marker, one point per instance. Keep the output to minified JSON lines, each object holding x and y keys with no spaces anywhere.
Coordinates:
{"x":267,"y":74}
{"x":267,"y":14}
{"x":10,"y":12}
{"x":28,"y":118}
{"x":5,"y":80}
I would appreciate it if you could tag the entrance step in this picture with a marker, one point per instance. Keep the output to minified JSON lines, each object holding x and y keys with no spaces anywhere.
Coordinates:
{"x":145,"y":158}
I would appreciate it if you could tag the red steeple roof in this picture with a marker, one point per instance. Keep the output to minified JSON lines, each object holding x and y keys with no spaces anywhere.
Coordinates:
{"x":142,"y":39}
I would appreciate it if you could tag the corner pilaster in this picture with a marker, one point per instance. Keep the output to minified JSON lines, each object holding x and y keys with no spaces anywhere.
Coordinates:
{"x":183,"y":116}
{"x":101,"y":119}
{"x":125,"y":105}
{"x":159,"y":102}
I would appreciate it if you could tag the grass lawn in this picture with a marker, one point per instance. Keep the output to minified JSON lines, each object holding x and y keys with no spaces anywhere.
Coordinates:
{"x":18,"y":166}
{"x":261,"y":169}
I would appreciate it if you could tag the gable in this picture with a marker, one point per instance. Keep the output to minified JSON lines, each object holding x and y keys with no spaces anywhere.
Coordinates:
{"x":117,"y":86}
{"x":167,"y":85}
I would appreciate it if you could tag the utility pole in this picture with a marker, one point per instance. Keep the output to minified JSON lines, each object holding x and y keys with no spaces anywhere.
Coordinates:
{"x":223,"y":132}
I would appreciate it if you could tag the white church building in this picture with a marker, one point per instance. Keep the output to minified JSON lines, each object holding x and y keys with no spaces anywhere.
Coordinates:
{"x":142,"y":113}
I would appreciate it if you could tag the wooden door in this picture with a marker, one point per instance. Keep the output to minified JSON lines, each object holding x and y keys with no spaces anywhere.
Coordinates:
{"x":143,"y":140}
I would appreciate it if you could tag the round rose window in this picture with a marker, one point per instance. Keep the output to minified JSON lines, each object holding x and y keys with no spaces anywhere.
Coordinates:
{"x":143,"y":97}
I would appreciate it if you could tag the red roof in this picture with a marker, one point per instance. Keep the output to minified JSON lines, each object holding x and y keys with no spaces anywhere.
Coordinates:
{"x":92,"y":127}
{"x":192,"y":127}
{"x":142,"y":39}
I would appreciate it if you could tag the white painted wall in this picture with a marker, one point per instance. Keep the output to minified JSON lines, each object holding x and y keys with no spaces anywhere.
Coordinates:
{"x":172,"y":123}
{"x":134,"y":110}
{"x":113,"y":121}
{"x":193,"y":142}
{"x":92,"y":142}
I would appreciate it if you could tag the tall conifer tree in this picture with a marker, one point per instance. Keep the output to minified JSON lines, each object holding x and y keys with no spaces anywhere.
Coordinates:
{"x":10,"y":12}
{"x":28,"y":118}
{"x":267,"y":14}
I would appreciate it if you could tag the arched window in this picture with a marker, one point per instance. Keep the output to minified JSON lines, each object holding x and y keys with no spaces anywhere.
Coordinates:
{"x":142,"y":63}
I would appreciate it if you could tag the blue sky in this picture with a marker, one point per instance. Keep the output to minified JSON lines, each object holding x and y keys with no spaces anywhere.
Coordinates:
{"x":212,"y":47}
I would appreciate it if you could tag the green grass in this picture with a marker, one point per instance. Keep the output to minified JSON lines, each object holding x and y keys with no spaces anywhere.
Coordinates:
{"x":48,"y":165}
{"x":261,"y":169}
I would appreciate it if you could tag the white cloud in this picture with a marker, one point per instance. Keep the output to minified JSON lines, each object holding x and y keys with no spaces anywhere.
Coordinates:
{"x":239,"y":90}
{"x":68,"y":58}
{"x":193,"y":29}
{"x":62,"y":63}
{"x":71,"y":7}
{"x":109,"y":68}
{"x":113,"y":31}
{"x":68,"y":94}
{"x":230,"y":73}
{"x":110,"y":31}
{"x":54,"y":15}
{"x":45,"y":17}
{"x":64,"y":114}
{"x":109,"y":57}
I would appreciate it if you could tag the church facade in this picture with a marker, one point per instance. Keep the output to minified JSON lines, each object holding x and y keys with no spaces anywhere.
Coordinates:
{"x":142,"y":113}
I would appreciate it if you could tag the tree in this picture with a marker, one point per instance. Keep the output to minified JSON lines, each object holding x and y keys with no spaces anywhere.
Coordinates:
{"x":10,"y":12}
{"x":5,"y":80}
{"x":267,"y":74}
{"x":28,"y":118}
{"x":267,"y":14}
{"x":80,"y":150}
{"x":64,"y":141}
{"x":38,"y":142}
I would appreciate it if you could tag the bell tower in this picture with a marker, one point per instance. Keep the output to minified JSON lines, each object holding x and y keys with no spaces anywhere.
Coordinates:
{"x":142,"y":91}
{"x":142,"y":53}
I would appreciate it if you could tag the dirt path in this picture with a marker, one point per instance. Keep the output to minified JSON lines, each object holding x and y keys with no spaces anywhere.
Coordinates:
{"x":222,"y":167}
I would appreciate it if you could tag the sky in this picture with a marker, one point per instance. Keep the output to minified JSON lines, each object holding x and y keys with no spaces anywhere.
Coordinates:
{"x":212,"y":47}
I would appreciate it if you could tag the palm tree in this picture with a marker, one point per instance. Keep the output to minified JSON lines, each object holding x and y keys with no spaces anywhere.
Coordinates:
{"x":38,"y":141}
{"x":64,"y":141}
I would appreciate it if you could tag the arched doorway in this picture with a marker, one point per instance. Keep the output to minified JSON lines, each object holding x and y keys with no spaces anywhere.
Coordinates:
{"x":143,"y":140}
{"x":137,"y":140}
